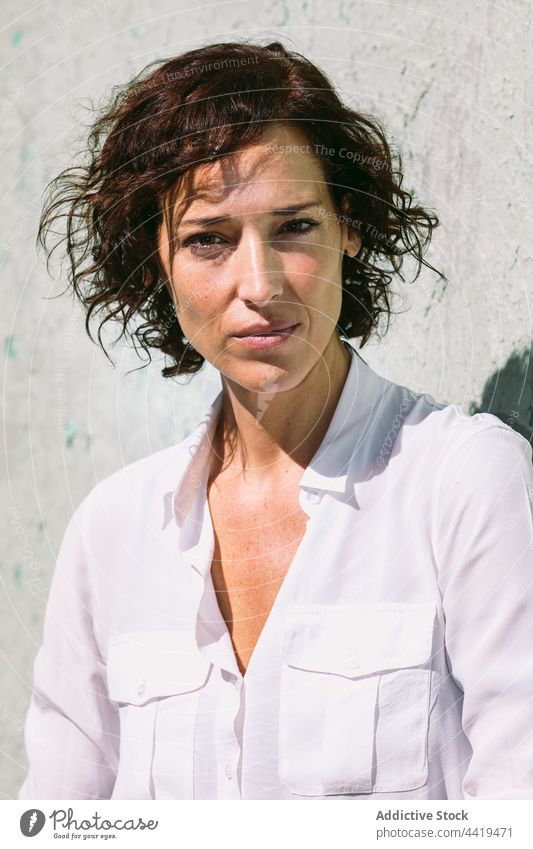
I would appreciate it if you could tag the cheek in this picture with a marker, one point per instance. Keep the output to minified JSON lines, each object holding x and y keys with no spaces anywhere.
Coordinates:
{"x":193,"y":295}
{"x":309,"y":262}
{"x":316,"y":276}
{"x":197,"y":312}
{"x":322,"y":262}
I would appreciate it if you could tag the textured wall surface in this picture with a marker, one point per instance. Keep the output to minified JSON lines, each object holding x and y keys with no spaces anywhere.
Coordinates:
{"x":453,"y":85}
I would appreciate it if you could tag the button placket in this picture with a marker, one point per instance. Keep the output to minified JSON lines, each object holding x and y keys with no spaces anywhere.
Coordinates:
{"x":231,"y":759}
{"x":232,"y":748}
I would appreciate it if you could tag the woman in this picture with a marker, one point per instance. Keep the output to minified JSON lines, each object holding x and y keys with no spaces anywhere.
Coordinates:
{"x":324,"y":591}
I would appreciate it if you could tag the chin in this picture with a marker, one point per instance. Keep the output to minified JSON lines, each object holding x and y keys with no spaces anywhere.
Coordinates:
{"x":262,"y":377}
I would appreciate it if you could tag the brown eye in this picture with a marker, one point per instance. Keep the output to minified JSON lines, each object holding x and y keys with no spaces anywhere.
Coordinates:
{"x":202,"y":243}
{"x":308,"y":225}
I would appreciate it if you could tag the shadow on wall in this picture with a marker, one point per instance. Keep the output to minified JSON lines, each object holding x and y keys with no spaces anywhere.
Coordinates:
{"x":508,"y":394}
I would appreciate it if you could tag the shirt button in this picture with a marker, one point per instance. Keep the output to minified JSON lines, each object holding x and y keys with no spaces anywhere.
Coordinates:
{"x":228,"y":771}
{"x":314,"y":496}
{"x":141,"y":689}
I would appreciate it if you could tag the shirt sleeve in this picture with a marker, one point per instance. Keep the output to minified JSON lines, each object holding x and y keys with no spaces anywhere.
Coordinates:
{"x":72,"y":729}
{"x":484,"y":554}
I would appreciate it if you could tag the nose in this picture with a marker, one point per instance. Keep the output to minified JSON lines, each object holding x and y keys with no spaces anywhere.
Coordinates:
{"x":257,"y":268}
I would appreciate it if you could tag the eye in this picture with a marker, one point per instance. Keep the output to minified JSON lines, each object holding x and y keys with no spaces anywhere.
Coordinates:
{"x":210,"y":245}
{"x":203,"y":243}
{"x":307,"y":225}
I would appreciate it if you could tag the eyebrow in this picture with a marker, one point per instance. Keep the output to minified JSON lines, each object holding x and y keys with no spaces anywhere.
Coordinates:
{"x":287,"y":210}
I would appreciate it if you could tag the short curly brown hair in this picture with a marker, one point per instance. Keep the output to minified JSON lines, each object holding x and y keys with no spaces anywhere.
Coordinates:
{"x":191,"y":110}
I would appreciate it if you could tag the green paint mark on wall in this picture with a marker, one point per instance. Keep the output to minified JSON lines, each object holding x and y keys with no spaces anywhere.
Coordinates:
{"x":70,"y":432}
{"x":135,"y":32}
{"x":17,"y":573}
{"x":10,"y":347}
{"x":343,"y":12}
{"x":16,"y":38}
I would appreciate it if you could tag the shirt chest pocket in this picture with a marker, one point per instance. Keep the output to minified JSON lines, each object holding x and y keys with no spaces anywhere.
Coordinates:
{"x":355,"y":696}
{"x":156,"y":678}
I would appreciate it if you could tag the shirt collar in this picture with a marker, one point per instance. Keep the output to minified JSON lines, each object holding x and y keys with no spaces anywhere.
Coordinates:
{"x":191,"y":465}
{"x":328,"y":469}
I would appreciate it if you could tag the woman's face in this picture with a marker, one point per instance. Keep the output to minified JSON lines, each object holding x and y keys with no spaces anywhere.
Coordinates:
{"x":273,"y":254}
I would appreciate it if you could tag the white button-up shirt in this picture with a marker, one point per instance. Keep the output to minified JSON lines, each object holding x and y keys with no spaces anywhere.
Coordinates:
{"x":397,"y":659}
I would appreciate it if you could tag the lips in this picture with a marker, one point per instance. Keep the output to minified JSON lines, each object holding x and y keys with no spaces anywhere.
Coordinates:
{"x":267,"y":329}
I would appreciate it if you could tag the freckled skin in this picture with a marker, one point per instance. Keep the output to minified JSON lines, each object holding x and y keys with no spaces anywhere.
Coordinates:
{"x":261,"y":269}
{"x":250,"y":562}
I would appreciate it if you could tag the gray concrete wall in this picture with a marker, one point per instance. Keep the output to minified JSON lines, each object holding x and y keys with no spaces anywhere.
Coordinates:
{"x":452,"y":83}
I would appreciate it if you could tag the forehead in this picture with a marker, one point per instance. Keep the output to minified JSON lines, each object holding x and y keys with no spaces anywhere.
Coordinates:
{"x":280,"y":166}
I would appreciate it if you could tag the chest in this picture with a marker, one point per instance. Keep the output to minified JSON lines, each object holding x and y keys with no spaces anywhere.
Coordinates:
{"x":255,"y":545}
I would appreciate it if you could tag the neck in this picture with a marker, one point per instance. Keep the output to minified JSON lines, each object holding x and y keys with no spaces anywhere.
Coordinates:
{"x":264,"y":436}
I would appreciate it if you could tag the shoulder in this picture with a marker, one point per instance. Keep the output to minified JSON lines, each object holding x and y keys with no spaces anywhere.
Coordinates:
{"x":134,"y":494}
{"x":482,"y":501}
{"x":482,"y":487}
{"x":431,"y":443}
{"x":157,"y":469}
{"x":437,"y":431}
{"x":484,"y":458}
{"x":474,"y":474}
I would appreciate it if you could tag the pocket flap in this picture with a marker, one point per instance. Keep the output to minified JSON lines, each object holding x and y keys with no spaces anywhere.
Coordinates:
{"x":143,"y":665}
{"x":358,"y":639}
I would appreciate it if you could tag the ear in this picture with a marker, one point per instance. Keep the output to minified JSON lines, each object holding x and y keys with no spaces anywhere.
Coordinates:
{"x":351,"y":240}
